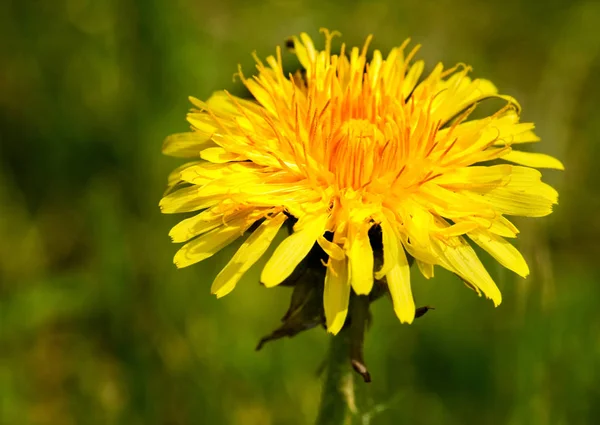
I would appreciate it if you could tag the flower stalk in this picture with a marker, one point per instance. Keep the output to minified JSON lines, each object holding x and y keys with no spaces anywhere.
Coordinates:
{"x":343,"y":399}
{"x":337,"y":397}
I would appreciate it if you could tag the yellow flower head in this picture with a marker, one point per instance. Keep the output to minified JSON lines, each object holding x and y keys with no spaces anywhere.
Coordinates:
{"x":351,"y":148}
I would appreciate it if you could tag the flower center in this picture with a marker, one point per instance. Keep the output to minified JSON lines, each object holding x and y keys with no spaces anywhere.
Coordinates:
{"x":359,"y":143}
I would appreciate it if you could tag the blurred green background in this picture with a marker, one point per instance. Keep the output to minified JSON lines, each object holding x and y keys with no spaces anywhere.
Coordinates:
{"x":98,"y":327}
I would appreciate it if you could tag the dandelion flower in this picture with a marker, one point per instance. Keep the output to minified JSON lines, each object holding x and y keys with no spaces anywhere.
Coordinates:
{"x":348,"y":148}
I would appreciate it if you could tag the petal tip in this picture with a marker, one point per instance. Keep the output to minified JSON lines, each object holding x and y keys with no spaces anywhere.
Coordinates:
{"x":337,"y":323}
{"x":362,"y":289}
{"x":267,"y":279}
{"x":221,"y":292}
{"x":404,"y":318}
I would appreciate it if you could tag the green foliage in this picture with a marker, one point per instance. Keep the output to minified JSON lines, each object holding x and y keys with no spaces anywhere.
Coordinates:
{"x":98,"y":327}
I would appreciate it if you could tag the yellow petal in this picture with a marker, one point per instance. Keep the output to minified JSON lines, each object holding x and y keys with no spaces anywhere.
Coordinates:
{"x":248,"y":254}
{"x":301,"y":53}
{"x":187,"y":144}
{"x":524,"y":195}
{"x":475,"y":176}
{"x":425,"y":268}
{"x":374,"y":68}
{"x":507,"y":130}
{"x":457,"y":229}
{"x":221,"y":103}
{"x":203,"y":172}
{"x":415,"y":234}
{"x":336,"y":294}
{"x":219,"y":155}
{"x":293,"y":249}
{"x":459,"y":257}
{"x":498,"y":225}
{"x":391,"y":245}
{"x":460,"y":92}
{"x":193,"y":226}
{"x":311,"y":52}
{"x":452,"y":204}
{"x":361,"y":263}
{"x":202,"y":223}
{"x":210,"y":243}
{"x":250,"y":187}
{"x":202,"y":122}
{"x":398,"y":280}
{"x":185,"y":200}
{"x":418,"y":223}
{"x":331,"y":249}
{"x":175,"y":176}
{"x":261,"y":95}
{"x":412,"y":77}
{"x":524,"y":137}
{"x":533,"y":159}
{"x":504,"y":252}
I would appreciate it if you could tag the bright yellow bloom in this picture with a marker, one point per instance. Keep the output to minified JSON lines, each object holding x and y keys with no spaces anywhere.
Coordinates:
{"x":347,"y":146}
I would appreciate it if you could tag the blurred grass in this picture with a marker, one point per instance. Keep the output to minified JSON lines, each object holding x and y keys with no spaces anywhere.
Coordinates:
{"x":97,"y":326}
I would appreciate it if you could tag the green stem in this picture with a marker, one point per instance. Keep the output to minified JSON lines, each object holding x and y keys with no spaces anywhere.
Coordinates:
{"x":337,"y":391}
